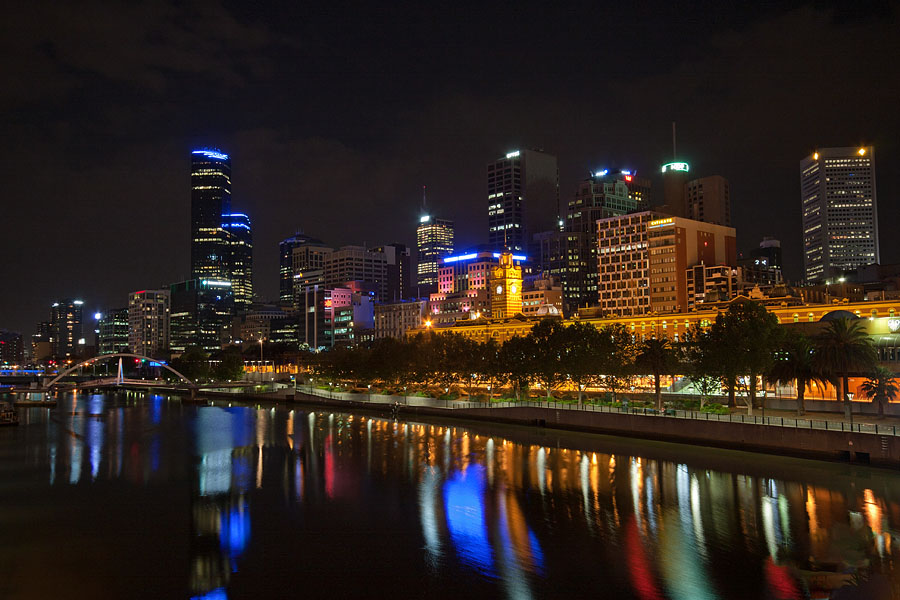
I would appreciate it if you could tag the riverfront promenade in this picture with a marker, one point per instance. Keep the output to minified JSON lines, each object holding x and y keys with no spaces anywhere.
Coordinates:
{"x":827,"y":439}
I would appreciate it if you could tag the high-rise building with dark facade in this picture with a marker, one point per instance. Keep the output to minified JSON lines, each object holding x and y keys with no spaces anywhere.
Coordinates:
{"x":301,"y":262}
{"x":210,"y":200}
{"x":523,"y":198}
{"x":200,"y":314}
{"x":240,"y":259}
{"x":397,"y":265}
{"x":12,"y":352}
{"x":840,"y":211}
{"x":65,"y":328}
{"x":598,"y":197}
{"x":113,"y":331}
{"x":434,"y":240}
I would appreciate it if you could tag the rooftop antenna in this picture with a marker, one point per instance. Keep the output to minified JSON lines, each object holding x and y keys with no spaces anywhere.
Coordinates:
{"x":424,"y":201}
{"x":674,"y":152}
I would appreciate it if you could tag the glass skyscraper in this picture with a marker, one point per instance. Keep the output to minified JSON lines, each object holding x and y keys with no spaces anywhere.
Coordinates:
{"x":210,"y":200}
{"x":434,"y":240}
{"x":240,"y":259}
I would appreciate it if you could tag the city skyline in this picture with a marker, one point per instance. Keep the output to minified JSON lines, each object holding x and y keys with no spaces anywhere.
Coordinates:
{"x":291,"y":173}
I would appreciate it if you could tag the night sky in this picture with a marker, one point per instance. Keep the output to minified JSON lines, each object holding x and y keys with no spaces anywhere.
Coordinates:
{"x":335,"y":115}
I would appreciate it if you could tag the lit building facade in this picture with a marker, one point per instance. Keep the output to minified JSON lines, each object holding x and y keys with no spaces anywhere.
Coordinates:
{"x":395,"y":318}
{"x":840,"y":212}
{"x":506,"y":288}
{"x":523,"y":198}
{"x":434,"y":241}
{"x":113,"y":331}
{"x":297,"y":254}
{"x":357,"y":263}
{"x":65,"y":328}
{"x":643,"y":260}
{"x":398,"y":268}
{"x":148,"y":322}
{"x":599,"y":197}
{"x":240,"y":258}
{"x":200,"y":314}
{"x":543,"y":294}
{"x":210,"y":200}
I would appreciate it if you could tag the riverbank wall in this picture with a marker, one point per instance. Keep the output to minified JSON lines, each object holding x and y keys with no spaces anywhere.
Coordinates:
{"x":866,"y":448}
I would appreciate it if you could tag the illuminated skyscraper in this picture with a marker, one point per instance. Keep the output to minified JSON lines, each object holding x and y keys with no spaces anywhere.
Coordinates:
{"x":113,"y":331}
{"x":434,"y":240}
{"x":309,"y":256}
{"x":65,"y":328}
{"x":210,"y":200}
{"x":523,"y":198}
{"x":840,"y":211}
{"x":239,"y":259}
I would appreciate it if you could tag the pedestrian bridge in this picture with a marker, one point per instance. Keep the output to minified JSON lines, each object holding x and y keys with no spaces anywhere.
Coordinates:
{"x":119,"y":380}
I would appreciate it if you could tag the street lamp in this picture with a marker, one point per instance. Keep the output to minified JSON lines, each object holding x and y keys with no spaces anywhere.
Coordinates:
{"x":260,"y":360}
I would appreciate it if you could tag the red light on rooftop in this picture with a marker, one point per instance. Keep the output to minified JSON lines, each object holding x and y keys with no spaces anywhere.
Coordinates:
{"x":628,"y":178}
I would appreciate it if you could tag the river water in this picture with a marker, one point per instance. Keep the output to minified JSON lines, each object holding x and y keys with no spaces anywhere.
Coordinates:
{"x":133,"y":496}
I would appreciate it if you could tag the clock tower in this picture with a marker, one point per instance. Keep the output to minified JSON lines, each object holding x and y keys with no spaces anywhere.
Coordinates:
{"x":506,"y":288}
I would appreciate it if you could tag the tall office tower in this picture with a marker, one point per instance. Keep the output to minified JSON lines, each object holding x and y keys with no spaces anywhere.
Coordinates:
{"x":240,"y":259}
{"x":434,"y":240}
{"x":523,"y":198}
{"x":210,"y":200}
{"x":708,"y":199}
{"x":840,"y":211}
{"x":599,"y":197}
{"x":644,"y":259}
{"x":768,"y":254}
{"x":148,"y":322}
{"x":65,"y":328}
{"x":397,"y":263}
{"x":113,"y":327}
{"x":288,"y":267}
{"x":357,"y":264}
{"x":200,"y":314}
{"x":675,"y":176}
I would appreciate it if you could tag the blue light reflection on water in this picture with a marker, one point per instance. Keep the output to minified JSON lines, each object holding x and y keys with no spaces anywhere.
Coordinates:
{"x":464,"y":506}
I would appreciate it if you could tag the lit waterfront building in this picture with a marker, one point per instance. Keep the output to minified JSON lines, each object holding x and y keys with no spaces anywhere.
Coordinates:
{"x":434,"y":241}
{"x":240,"y":258}
{"x":523,"y":198}
{"x":65,"y":328}
{"x":112,"y":327}
{"x":840,"y":212}
{"x":148,"y":322}
{"x":643,"y":260}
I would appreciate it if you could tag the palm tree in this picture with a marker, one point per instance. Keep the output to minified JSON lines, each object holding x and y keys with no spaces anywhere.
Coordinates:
{"x":659,"y":358}
{"x":880,"y":387}
{"x":844,"y":348}
{"x":795,"y":361}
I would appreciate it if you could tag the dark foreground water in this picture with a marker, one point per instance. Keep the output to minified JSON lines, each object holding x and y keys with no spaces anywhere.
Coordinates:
{"x":135,"y":496}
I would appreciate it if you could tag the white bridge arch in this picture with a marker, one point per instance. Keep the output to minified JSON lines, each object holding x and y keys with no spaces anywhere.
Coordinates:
{"x":71,"y":370}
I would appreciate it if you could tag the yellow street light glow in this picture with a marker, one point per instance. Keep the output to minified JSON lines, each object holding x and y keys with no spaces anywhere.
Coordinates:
{"x":815,"y":156}
{"x":861,"y":151}
{"x":427,"y":323}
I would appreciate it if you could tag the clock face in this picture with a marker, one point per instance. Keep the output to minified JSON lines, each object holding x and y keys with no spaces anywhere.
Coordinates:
{"x":512,"y":289}
{"x":499,"y":289}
